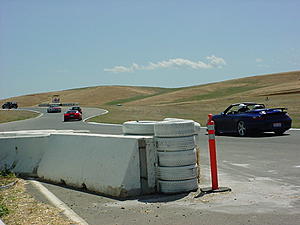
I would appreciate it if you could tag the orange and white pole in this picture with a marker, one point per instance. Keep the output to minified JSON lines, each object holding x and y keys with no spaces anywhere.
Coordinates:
{"x":212,"y":152}
{"x":213,"y":160}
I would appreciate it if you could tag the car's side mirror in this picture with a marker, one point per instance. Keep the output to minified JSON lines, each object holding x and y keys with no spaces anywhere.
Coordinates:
{"x":223,"y":113}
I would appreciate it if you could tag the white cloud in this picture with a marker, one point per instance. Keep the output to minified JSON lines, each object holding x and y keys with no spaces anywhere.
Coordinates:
{"x":171,"y":63}
{"x":216,"y":61}
{"x":259,"y":60}
{"x":119,"y":69}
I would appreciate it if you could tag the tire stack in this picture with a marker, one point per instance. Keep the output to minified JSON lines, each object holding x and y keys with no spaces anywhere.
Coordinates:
{"x":144,"y":127}
{"x":177,"y":159}
{"x":197,"y":142}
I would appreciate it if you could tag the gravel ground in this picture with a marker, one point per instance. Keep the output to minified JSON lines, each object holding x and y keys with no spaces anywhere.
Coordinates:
{"x":24,"y":209}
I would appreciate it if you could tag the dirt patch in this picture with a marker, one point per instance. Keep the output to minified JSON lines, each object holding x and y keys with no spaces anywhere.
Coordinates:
{"x":22,"y":208}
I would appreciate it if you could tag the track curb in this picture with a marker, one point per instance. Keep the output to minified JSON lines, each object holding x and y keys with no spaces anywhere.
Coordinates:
{"x":105,"y":112}
{"x":58,"y":203}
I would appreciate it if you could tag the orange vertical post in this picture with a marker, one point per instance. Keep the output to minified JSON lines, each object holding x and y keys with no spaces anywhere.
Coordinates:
{"x":212,"y":152}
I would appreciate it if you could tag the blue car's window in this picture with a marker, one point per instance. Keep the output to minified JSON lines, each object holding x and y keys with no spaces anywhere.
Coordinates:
{"x":257,"y":106}
{"x":242,"y":108}
{"x":233,"y":110}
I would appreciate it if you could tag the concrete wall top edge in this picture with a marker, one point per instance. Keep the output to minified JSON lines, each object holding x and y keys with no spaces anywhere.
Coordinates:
{"x":43,"y":133}
{"x":103,"y":135}
{"x":14,"y":135}
{"x":27,"y":131}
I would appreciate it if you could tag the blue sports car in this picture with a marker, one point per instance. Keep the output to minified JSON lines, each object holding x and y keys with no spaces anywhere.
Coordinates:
{"x":250,"y":118}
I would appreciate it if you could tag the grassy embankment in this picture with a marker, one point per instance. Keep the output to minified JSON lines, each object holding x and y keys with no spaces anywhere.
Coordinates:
{"x":196,"y":102}
{"x":13,"y":115}
{"x":279,"y":90}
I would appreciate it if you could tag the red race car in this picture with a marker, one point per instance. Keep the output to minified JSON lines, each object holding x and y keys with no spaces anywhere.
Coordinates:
{"x":72,"y":115}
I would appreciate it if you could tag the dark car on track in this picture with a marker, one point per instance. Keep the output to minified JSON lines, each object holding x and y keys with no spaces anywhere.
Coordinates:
{"x":77,"y":108}
{"x":72,"y":115}
{"x":252,"y":118}
{"x":54,"y":108}
{"x":10,"y":105}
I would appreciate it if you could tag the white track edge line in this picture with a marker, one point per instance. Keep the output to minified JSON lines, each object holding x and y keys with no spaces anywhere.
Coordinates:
{"x":105,"y":112}
{"x":30,"y":110}
{"x":58,"y":203}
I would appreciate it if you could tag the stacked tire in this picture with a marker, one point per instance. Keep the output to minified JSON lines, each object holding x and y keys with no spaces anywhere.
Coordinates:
{"x":144,"y":127}
{"x":177,"y":168}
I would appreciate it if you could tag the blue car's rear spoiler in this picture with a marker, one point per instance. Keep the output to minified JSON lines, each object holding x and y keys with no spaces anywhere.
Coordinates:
{"x":280,"y":108}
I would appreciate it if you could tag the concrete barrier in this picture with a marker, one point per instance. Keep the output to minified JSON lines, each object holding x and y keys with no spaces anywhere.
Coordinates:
{"x":21,"y":153}
{"x":115,"y":165}
{"x":106,"y":164}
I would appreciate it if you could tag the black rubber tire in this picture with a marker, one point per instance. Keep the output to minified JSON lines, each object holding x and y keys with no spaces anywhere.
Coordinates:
{"x":279,"y":132}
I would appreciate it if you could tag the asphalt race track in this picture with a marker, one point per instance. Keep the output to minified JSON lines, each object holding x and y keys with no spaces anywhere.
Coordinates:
{"x":55,"y":121}
{"x":262,"y":171}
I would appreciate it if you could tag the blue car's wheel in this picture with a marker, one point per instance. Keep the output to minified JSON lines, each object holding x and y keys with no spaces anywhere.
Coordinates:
{"x":241,"y":128}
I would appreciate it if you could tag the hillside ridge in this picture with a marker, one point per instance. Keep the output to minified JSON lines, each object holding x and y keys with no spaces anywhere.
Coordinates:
{"x":195,"y":102}
{"x":258,"y":85}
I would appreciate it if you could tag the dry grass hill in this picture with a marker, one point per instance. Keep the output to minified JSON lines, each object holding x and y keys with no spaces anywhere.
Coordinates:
{"x":195,"y":102}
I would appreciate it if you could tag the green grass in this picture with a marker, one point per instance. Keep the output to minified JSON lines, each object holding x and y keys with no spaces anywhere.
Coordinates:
{"x":197,"y":110}
{"x":218,"y":93}
{"x":194,"y":102}
{"x":13,"y":115}
{"x":118,"y":115}
{"x":125,"y":100}
{"x":139,"y":97}
{"x":3,"y":209}
{"x":6,"y":177}
{"x":6,"y":173}
{"x":295,"y":120}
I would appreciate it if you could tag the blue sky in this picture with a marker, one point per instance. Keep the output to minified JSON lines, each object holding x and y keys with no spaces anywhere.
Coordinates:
{"x":62,"y":44}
